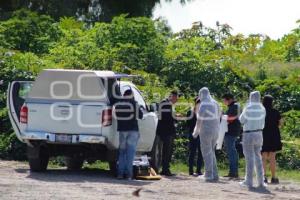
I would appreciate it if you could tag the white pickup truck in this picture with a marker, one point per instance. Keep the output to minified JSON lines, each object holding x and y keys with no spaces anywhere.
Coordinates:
{"x":69,"y":113}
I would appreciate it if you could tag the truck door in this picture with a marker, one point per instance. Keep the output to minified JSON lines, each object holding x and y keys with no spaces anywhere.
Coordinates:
{"x":16,"y":94}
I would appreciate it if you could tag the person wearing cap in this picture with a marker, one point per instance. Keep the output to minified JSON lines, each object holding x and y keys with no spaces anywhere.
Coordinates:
{"x":127,"y":111}
{"x":194,"y":143}
{"x":271,"y":138}
{"x":253,"y":121}
{"x":231,"y":136}
{"x":166,"y":130}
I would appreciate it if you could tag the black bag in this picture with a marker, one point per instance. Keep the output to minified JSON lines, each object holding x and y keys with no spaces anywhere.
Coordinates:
{"x":140,"y":170}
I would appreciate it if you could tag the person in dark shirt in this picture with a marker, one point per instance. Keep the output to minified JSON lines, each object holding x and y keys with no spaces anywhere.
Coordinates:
{"x":127,"y":112}
{"x":194,"y":143}
{"x":271,"y":138}
{"x":231,"y":136}
{"x":166,"y":130}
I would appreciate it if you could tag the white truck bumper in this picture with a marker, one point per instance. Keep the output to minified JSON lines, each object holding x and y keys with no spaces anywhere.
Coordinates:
{"x":70,"y":139}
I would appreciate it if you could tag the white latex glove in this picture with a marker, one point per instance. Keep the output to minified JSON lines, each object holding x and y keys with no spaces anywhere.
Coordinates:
{"x":196,"y":130}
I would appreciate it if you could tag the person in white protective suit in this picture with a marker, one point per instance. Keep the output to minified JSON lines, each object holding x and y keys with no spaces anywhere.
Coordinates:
{"x":207,"y":127}
{"x":253,"y":120}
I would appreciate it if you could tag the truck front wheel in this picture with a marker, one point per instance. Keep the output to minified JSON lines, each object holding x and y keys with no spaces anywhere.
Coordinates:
{"x":38,"y":157}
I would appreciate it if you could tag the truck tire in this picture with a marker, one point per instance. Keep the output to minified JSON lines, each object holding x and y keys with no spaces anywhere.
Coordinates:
{"x":156,"y":154}
{"x":74,"y":162}
{"x":38,"y":158}
{"x":113,"y":168}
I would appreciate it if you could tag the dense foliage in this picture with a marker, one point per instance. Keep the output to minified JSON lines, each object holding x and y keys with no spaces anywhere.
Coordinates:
{"x":86,"y":10}
{"x":188,"y":60}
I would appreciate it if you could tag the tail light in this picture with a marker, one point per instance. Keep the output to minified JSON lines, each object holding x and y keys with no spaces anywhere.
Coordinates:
{"x":24,"y":114}
{"x":106,"y":117}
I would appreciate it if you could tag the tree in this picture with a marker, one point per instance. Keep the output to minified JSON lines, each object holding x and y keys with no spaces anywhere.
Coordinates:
{"x":28,"y":31}
{"x":87,"y":10}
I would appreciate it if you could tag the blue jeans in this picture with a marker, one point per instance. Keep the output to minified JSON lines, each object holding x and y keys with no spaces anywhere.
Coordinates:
{"x":232,"y":154}
{"x":127,"y":149}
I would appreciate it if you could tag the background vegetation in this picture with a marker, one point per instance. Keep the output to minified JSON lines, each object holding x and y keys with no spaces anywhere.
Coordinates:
{"x":188,"y":60}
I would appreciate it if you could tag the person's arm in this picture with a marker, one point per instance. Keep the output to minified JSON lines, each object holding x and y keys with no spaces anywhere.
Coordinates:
{"x":264,"y":114}
{"x":200,"y":116}
{"x":197,"y":129}
{"x":232,"y":114}
{"x":243,"y":116}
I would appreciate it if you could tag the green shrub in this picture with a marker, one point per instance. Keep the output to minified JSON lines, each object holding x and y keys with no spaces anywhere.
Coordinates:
{"x":28,"y":31}
{"x":291,"y":124}
{"x":285,"y":91}
{"x":289,"y":157}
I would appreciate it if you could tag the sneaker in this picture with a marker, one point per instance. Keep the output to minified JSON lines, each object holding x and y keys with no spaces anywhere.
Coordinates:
{"x":199,"y":173}
{"x":266,"y":180}
{"x":209,"y":180}
{"x":232,"y":176}
{"x":167,"y":173}
{"x":201,"y":177}
{"x":275,"y":181}
{"x":244,"y":184}
{"x":194,"y":174}
{"x":262,"y":186}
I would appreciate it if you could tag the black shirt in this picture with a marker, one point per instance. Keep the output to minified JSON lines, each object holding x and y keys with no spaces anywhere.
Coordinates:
{"x":234,"y":127}
{"x":271,"y":132}
{"x":191,"y":122}
{"x":166,"y":122}
{"x":127,"y":113}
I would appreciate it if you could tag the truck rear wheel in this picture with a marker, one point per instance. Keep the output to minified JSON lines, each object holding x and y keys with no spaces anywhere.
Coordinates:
{"x":156,"y":154}
{"x":74,"y":162}
{"x":113,"y":168}
{"x":38,"y":158}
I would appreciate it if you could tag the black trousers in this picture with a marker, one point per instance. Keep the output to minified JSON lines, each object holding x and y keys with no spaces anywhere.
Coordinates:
{"x":167,"y":150}
{"x":194,"y":149}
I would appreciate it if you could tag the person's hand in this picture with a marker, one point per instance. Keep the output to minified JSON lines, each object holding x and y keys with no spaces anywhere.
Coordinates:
{"x":178,"y":115}
{"x":195,"y":132}
{"x":195,"y":135}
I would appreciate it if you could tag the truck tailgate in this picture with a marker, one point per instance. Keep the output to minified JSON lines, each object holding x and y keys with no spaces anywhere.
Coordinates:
{"x":65,"y":118}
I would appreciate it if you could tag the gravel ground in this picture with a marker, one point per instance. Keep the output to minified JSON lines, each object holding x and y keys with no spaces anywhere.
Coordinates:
{"x":16,"y":182}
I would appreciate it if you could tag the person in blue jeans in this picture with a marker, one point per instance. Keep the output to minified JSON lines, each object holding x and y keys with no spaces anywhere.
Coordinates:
{"x":127,"y":112}
{"x":231,"y":136}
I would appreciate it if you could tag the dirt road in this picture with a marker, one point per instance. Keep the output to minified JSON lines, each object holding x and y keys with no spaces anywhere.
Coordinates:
{"x":16,"y":182}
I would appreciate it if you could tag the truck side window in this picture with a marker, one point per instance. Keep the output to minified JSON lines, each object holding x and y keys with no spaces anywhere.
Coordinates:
{"x":138,"y":97}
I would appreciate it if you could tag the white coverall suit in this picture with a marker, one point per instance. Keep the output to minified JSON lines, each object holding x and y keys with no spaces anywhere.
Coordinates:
{"x":253,"y":120}
{"x":207,"y":127}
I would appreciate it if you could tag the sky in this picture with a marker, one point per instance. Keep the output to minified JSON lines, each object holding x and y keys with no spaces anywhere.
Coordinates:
{"x":271,"y":17}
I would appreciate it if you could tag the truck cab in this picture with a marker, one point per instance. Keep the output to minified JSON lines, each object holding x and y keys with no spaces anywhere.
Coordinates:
{"x":69,"y":113}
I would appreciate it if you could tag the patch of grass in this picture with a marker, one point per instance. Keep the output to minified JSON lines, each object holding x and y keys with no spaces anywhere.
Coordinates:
{"x":96,"y":165}
{"x":294,"y":175}
{"x":182,"y":168}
